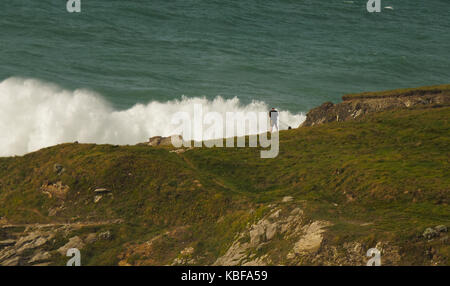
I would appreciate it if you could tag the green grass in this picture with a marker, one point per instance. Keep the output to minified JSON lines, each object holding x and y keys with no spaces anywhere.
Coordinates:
{"x":390,"y":170}
{"x":444,"y":89}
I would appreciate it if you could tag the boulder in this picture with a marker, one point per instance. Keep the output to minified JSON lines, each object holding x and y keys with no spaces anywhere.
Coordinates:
{"x":105,"y":235}
{"x":271,"y":230}
{"x":97,"y":198}
{"x":57,"y":190}
{"x":187,"y":251}
{"x":102,"y":191}
{"x":430,"y":233}
{"x":311,"y":239}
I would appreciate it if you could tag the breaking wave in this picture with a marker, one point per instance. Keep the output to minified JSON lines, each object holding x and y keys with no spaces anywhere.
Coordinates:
{"x":36,"y":114}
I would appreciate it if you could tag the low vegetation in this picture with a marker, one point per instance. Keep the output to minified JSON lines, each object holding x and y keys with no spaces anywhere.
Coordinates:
{"x":436,"y":89}
{"x":382,"y":178}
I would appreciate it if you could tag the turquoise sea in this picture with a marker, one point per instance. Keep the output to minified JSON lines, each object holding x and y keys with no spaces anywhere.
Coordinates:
{"x":291,"y":54}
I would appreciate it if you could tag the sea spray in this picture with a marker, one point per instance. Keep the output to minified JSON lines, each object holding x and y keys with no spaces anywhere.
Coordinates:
{"x":36,"y":114}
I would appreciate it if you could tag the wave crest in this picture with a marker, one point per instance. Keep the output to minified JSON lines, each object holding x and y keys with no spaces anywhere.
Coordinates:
{"x":35,"y":114}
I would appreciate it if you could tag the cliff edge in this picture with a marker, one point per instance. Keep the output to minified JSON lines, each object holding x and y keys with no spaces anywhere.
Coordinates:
{"x":357,"y":105}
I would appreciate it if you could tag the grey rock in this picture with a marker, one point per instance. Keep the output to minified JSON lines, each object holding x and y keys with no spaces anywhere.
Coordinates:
{"x":102,"y":191}
{"x":430,"y":233}
{"x":105,"y":235}
{"x":441,"y":228}
{"x":97,"y":198}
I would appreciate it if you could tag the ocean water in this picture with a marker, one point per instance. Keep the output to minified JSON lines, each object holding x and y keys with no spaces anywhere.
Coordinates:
{"x":115,"y":72}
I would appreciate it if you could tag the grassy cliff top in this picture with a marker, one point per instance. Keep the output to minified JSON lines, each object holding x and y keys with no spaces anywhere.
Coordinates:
{"x":437,"y":89}
{"x":384,"y":177}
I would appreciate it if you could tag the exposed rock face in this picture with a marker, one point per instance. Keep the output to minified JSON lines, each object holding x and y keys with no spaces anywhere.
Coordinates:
{"x":312,"y":238}
{"x":286,"y":233}
{"x":286,"y":224}
{"x":15,"y":261}
{"x":185,"y":257}
{"x":18,"y":251}
{"x":7,"y":242}
{"x":147,"y":250}
{"x":102,"y":191}
{"x":74,"y":242}
{"x":431,"y":233}
{"x":56,"y":190}
{"x":40,"y":244}
{"x":354,"y":107}
{"x":40,"y":256}
{"x":163,"y":141}
{"x":105,"y":235}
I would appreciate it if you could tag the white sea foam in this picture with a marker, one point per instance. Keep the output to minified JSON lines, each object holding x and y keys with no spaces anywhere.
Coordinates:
{"x":35,"y":114}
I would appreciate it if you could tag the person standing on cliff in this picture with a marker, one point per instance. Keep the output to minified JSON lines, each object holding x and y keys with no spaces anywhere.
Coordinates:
{"x":273,"y":115}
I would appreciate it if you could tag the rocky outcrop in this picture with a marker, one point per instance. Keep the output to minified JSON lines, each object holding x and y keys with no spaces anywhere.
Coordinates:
{"x":99,"y":193}
{"x":102,"y":191}
{"x":26,"y":249}
{"x":185,"y":257}
{"x":56,"y":190}
{"x":163,"y":141}
{"x":437,"y":231}
{"x":74,"y":242}
{"x":147,"y":251}
{"x":39,"y":257}
{"x":356,"y":106}
{"x":283,"y":228}
{"x":312,"y":238}
{"x":7,"y":242}
{"x":41,"y":244}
